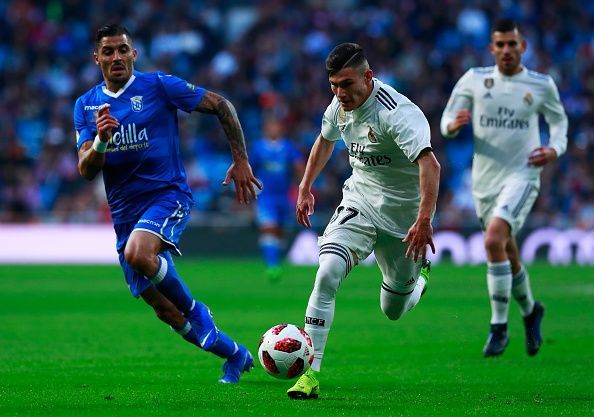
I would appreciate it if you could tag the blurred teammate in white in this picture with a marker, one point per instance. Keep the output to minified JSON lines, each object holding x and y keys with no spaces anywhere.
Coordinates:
{"x":503,"y":102}
{"x":388,"y":202}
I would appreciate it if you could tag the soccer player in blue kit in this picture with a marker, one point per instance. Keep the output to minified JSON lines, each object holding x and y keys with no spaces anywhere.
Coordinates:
{"x":127,"y":127}
{"x":275,"y":160}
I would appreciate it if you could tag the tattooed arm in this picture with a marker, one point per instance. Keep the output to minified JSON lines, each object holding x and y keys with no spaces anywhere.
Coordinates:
{"x":240,"y":170}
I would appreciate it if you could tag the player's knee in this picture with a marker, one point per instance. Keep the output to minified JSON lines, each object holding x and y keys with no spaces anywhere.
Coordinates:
{"x":393,"y":305}
{"x":136,"y":258}
{"x":393,"y":312}
{"x":495,"y":243}
{"x":326,"y":283}
{"x":329,"y":276}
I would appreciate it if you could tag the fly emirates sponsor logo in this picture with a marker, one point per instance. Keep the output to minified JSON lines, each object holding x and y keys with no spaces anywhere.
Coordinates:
{"x":357,"y":151}
{"x":504,"y":120}
{"x":128,"y":137}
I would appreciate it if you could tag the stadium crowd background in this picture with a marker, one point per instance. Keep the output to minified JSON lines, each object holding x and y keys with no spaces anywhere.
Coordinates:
{"x":267,"y":57}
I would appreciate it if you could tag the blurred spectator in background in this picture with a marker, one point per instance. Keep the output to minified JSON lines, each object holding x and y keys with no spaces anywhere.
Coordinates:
{"x":245,"y":50}
{"x":278,"y":164}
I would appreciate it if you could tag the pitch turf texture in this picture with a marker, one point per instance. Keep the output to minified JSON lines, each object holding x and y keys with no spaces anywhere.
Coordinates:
{"x":73,"y":342}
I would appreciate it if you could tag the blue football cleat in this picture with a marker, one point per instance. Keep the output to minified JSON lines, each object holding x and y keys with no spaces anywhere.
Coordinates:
{"x":242,"y":361}
{"x":532,"y":327}
{"x":201,"y":320}
{"x":497,"y":341}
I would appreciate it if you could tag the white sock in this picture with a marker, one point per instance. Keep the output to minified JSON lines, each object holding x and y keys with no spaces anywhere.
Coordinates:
{"x":416,"y":294}
{"x":336,"y":262}
{"x":522,"y":292}
{"x":395,"y":302}
{"x":499,"y":281}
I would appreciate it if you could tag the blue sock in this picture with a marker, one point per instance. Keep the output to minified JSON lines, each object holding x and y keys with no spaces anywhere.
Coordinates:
{"x":170,"y":284}
{"x":224,"y":347}
{"x":187,"y":333}
{"x":271,"y":250}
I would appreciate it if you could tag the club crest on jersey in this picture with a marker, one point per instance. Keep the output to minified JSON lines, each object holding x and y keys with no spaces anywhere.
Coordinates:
{"x":190,"y":86}
{"x":136,"y":103}
{"x":528,"y":99}
{"x":489,"y":82}
{"x":371,"y":136}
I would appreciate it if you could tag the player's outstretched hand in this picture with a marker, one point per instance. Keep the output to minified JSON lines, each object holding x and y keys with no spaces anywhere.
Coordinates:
{"x":418,"y":237}
{"x":241,"y":174}
{"x":541,"y":156}
{"x":304,"y":207}
{"x":105,"y":122}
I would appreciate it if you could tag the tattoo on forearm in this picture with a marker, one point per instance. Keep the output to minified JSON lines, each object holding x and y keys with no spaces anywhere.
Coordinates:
{"x":230,"y":122}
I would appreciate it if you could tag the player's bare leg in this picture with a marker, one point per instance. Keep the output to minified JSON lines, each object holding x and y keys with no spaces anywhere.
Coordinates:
{"x":168,"y":313}
{"x":141,"y":252}
{"x":164,"y":309}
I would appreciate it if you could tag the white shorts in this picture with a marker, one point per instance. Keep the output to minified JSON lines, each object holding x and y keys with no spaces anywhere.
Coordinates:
{"x":348,"y":227}
{"x":512,"y":204}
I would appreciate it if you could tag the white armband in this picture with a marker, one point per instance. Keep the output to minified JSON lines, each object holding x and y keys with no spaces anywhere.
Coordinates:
{"x":99,"y":146}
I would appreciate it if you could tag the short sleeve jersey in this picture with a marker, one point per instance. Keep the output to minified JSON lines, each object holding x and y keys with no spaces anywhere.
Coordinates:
{"x":384,"y":136}
{"x":143,"y":156}
{"x":505,"y":112}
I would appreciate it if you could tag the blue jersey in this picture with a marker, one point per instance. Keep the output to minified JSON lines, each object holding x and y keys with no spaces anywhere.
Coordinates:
{"x":143,"y":156}
{"x":273,"y":162}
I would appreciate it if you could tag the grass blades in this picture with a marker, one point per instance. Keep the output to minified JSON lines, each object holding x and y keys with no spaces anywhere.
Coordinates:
{"x":73,"y":342}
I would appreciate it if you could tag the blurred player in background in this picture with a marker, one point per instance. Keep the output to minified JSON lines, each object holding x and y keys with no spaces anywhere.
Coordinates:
{"x":504,"y":102}
{"x":388,"y":202}
{"x":127,"y":128}
{"x":276,"y":161}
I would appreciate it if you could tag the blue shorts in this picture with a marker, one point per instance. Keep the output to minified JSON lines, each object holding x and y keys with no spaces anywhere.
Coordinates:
{"x":167,"y":218}
{"x":273,"y":210}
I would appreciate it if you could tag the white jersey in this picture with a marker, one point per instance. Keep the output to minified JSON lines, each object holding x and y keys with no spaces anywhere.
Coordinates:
{"x":505,"y":113}
{"x":384,"y":137}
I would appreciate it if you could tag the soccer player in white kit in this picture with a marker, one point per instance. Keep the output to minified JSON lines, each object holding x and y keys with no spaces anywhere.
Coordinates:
{"x":504,"y":102}
{"x":388,"y":202}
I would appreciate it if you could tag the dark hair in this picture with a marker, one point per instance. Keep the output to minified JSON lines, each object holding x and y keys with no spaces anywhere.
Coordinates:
{"x":505,"y":25}
{"x":345,"y":55}
{"x":111,"y":29}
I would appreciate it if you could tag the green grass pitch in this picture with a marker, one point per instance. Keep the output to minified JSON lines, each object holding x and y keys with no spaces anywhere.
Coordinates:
{"x":73,"y":342}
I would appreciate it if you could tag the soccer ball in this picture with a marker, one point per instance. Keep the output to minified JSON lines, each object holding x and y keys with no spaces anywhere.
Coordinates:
{"x":285,"y":351}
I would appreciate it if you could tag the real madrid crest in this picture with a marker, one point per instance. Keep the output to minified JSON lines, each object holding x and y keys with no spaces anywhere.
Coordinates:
{"x":528,"y":99}
{"x":371,"y":136}
{"x":489,"y":82}
{"x":136,"y":103}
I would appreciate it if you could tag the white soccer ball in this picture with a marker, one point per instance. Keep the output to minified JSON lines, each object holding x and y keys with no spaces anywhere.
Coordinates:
{"x":285,"y":351}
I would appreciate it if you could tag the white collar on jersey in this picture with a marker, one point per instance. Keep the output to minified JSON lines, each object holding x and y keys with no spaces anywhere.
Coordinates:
{"x":121,"y":90}
{"x":516,"y":76}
